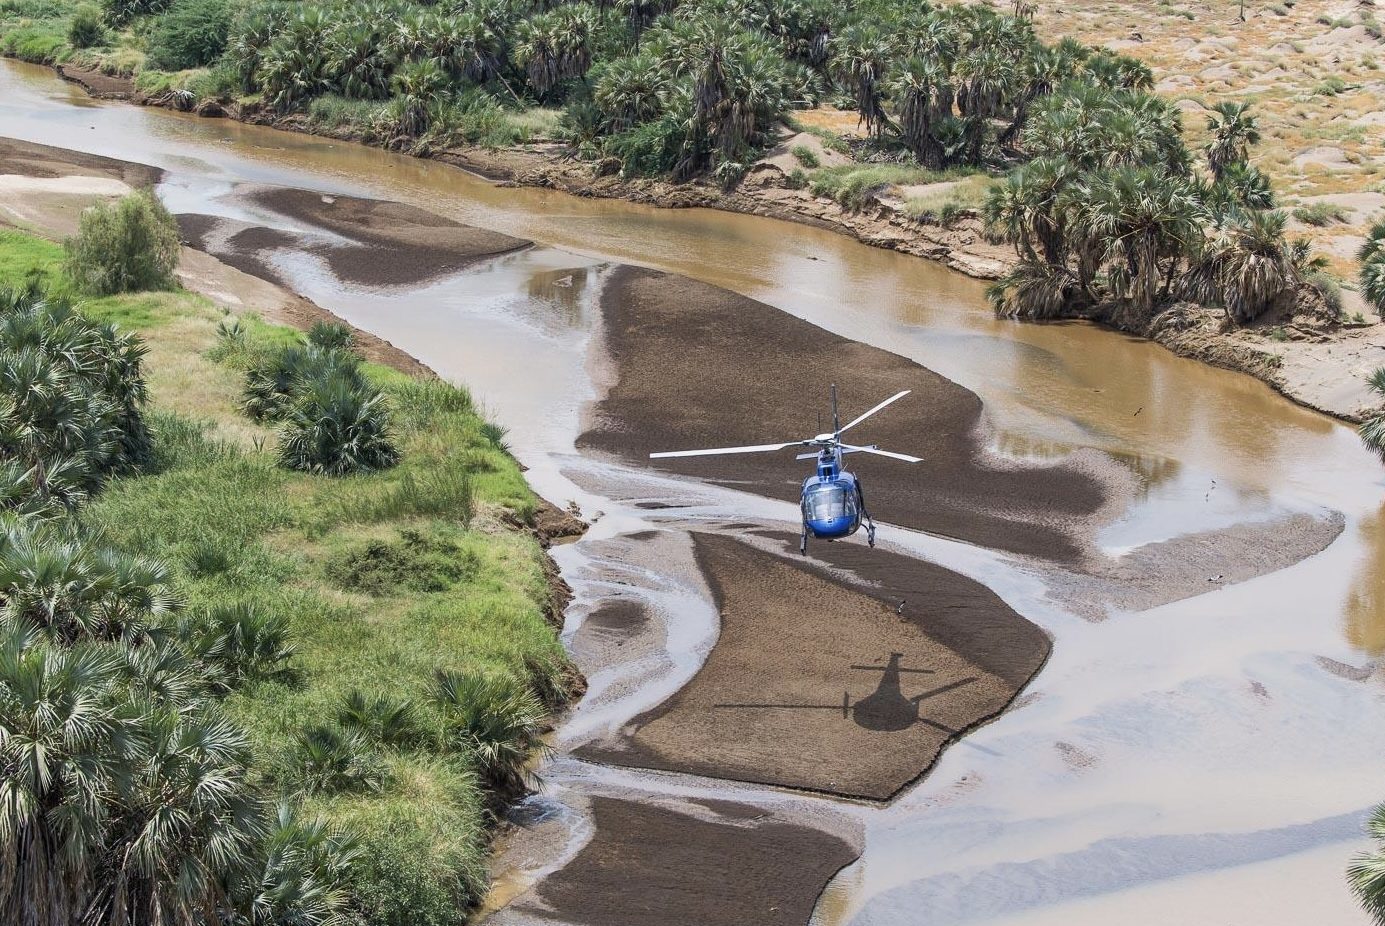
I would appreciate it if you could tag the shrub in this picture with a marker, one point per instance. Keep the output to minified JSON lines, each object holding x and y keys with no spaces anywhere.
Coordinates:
{"x":496,"y":720}
{"x":242,"y":644}
{"x":797,"y":179}
{"x":328,"y":760}
{"x":331,"y":336}
{"x":414,"y":562}
{"x":650,"y":149}
{"x":806,"y":156}
{"x":120,"y":12}
{"x":394,"y":723}
{"x":1329,"y":289}
{"x":337,"y":426}
{"x":277,"y":379}
{"x":192,"y":34}
{"x":1320,"y":214}
{"x":129,"y":245}
{"x":35,"y":44}
{"x":86,"y":29}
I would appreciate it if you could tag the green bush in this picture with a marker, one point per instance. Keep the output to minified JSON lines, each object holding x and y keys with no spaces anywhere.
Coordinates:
{"x":806,"y":156}
{"x":192,"y":34}
{"x":650,"y":149}
{"x":414,"y":562}
{"x":120,"y":12}
{"x":86,"y":28}
{"x":129,"y":245}
{"x":35,"y":44}
{"x":1320,"y":214}
{"x":337,"y":426}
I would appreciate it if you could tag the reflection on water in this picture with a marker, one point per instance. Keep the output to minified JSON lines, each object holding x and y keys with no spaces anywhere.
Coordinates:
{"x":1365,"y":607}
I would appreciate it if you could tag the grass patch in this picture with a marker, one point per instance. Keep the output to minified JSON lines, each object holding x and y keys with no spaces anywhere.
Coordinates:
{"x":380,"y":581}
{"x":1321,"y":214}
{"x":946,"y":205}
{"x":853,"y":185}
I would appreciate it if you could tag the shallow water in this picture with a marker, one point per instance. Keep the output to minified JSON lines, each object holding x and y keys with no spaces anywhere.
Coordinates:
{"x":1208,"y":760}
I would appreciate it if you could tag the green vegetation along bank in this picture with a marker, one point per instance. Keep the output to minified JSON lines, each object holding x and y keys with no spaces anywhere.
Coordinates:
{"x":241,"y":680}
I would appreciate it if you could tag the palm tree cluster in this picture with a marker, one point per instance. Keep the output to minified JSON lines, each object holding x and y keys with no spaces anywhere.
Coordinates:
{"x":71,"y":403}
{"x":123,"y":787}
{"x":1113,"y":217}
{"x":332,"y":420}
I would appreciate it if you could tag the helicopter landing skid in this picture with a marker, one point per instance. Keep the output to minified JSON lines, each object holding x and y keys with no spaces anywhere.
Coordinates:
{"x":870,"y":530}
{"x":803,"y":541}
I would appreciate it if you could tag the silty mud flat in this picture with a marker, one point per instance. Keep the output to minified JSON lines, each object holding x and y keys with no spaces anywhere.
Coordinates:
{"x":1181,"y":736}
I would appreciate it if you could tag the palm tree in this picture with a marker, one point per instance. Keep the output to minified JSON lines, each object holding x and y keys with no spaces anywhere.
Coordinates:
{"x":1234,"y":130}
{"x":1249,"y":268}
{"x":1026,"y":210}
{"x":916,"y":86}
{"x":1366,"y":875}
{"x":63,"y":748}
{"x":496,"y":720}
{"x":417,"y":86}
{"x":304,"y":874}
{"x":1142,"y":223}
{"x":1373,"y":436}
{"x":631,"y":91}
{"x":862,"y":52}
{"x":1372,"y":258}
{"x":336,"y":427}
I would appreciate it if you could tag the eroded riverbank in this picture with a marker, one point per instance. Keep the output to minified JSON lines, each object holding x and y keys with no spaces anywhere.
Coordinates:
{"x":1168,"y":724}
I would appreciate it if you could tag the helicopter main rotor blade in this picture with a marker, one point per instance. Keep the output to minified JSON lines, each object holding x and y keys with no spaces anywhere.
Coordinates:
{"x":884,"y":453}
{"x":758,"y":448}
{"x":894,"y":398}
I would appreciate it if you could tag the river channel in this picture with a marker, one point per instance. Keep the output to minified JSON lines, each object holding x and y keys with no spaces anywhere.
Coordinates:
{"x":1209,"y":759}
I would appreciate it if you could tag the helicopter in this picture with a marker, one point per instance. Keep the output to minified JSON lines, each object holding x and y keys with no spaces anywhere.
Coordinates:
{"x":833,"y":503}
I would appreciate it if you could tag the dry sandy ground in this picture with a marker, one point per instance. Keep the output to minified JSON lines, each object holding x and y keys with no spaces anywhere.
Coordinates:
{"x":822,"y":707}
{"x":709,"y":863}
{"x":1322,"y":140}
{"x":698,"y":366}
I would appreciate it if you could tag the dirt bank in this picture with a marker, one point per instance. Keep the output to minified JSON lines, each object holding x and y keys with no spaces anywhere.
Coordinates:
{"x":698,"y":366}
{"x":849,"y":682}
{"x":710,"y":863}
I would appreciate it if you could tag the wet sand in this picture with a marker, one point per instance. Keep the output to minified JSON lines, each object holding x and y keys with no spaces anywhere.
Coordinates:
{"x":799,"y":690}
{"x":728,"y":865}
{"x":698,"y":366}
{"x":398,"y":244}
{"x":34,"y":160}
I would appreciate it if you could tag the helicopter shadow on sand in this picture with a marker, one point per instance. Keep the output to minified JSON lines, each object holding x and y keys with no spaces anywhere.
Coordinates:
{"x":886,"y":709}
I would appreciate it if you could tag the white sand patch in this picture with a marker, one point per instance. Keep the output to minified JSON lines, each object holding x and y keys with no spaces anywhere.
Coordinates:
{"x":1189,"y":105}
{"x":1174,"y":84}
{"x":1220,"y":72}
{"x":1374,"y":118}
{"x":1324,"y":156}
{"x":1361,"y":207}
{"x":782,"y":155}
{"x":72,"y":186}
{"x":1343,"y":246}
{"x":1347,"y":38}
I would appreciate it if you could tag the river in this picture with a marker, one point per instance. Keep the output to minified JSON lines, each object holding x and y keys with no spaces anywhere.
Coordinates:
{"x":1207,"y":760}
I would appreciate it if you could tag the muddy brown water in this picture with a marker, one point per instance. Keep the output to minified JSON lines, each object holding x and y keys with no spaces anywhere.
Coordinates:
{"x":1207,"y":760}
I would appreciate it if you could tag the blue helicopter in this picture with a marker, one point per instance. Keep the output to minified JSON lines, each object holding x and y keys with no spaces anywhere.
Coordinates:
{"x":833,"y":503}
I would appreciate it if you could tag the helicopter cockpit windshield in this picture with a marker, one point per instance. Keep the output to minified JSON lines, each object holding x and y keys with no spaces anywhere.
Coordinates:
{"x":829,"y":501}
